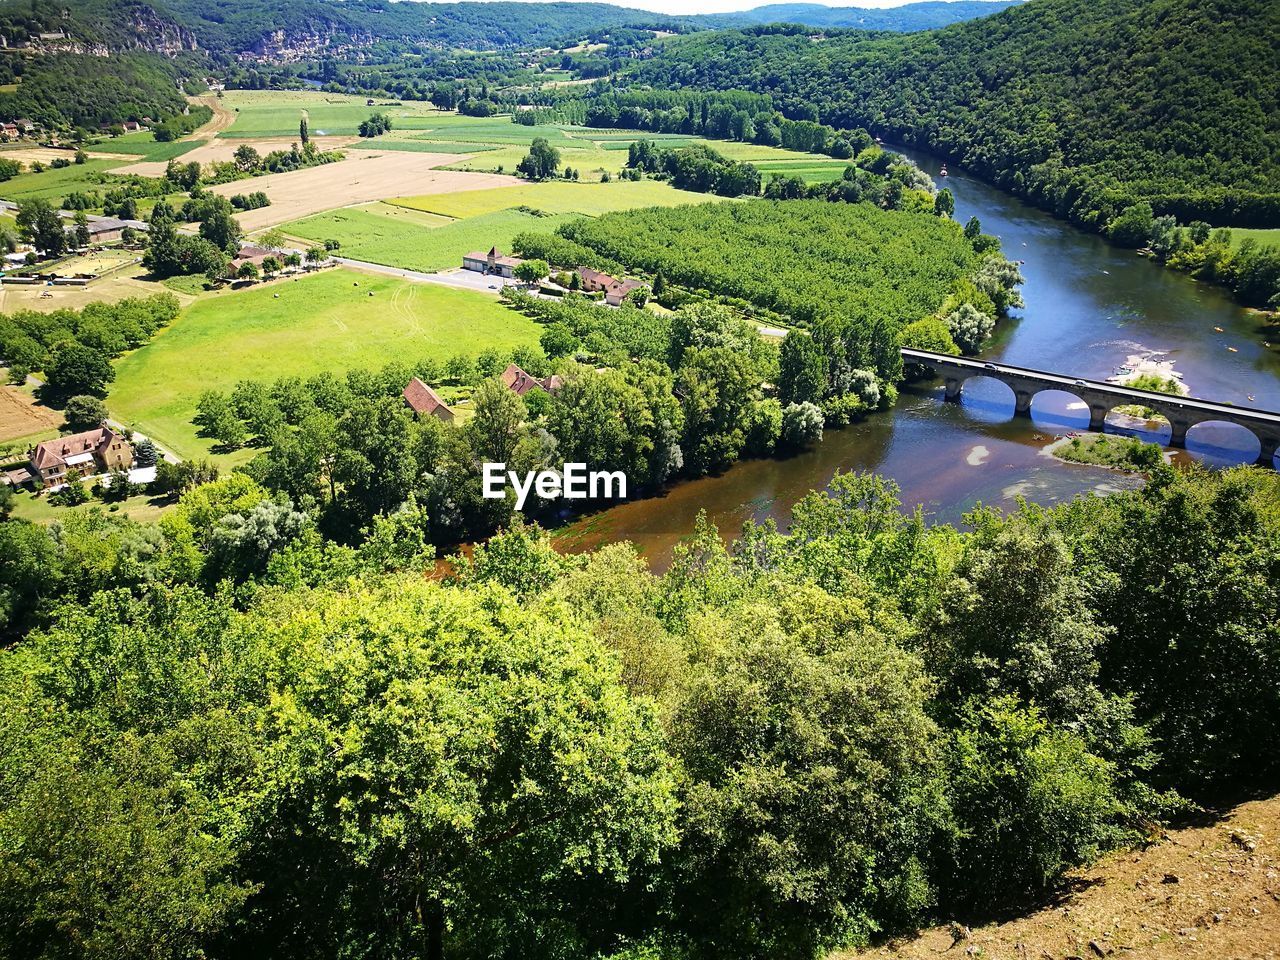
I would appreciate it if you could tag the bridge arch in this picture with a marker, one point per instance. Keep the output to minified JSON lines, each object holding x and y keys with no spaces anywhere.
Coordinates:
{"x":988,"y":399}
{"x":1152,"y":425}
{"x":1223,"y":443}
{"x":1053,"y":408}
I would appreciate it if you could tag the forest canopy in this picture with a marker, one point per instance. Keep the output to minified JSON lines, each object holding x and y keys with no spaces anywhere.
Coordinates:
{"x":806,"y":259}
{"x":1081,"y":107}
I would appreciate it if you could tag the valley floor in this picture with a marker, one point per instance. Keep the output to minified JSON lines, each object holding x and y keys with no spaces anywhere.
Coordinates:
{"x":1211,"y":892}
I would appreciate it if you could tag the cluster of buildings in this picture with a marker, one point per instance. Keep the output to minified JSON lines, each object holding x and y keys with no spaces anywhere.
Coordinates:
{"x":425,"y":402}
{"x":53,"y":462}
{"x":497,"y":264}
{"x":16,"y":129}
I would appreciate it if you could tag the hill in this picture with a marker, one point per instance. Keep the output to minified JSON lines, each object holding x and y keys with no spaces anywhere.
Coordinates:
{"x":1207,"y":891}
{"x":926,"y":15}
{"x":1079,"y":107}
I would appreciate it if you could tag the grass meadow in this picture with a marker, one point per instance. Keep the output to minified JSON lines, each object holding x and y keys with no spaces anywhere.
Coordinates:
{"x":556,"y":196}
{"x":401,"y":241}
{"x":276,"y":113}
{"x":333,"y":320}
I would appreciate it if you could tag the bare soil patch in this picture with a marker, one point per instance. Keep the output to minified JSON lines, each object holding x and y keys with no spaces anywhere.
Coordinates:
{"x":222,"y":117}
{"x":1209,"y":892}
{"x":224,"y":150}
{"x":21,"y":416}
{"x":46,"y":155}
{"x":364,"y":176}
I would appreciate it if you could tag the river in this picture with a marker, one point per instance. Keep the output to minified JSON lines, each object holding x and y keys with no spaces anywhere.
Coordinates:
{"x":1088,"y":307}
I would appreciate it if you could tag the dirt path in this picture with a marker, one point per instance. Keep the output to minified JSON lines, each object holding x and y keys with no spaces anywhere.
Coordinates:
{"x":1206,"y":892}
{"x":222,"y":117}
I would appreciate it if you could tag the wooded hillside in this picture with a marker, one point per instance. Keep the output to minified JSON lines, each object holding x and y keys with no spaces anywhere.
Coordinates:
{"x":1082,"y":108}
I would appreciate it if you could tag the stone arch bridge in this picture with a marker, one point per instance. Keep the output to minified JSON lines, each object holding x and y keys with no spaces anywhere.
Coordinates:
{"x":1183,"y":413}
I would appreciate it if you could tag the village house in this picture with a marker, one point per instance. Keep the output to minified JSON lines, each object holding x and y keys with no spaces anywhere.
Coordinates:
{"x":492,"y":263}
{"x":426,"y":402}
{"x":520,"y":382}
{"x":617,"y":291}
{"x":594,"y":281}
{"x":94,"y":451}
{"x":10,"y":130}
{"x":614,"y":290}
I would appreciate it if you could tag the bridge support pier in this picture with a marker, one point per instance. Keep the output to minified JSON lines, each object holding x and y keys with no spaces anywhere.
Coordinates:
{"x":1022,"y":403}
{"x":1269,"y":445}
{"x":1097,"y":418}
{"x":954,"y":386}
{"x":1178,"y":436}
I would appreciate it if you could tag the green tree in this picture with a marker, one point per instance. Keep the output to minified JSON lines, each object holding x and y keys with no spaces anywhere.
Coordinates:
{"x":802,"y":369}
{"x":541,"y":161}
{"x":77,"y":369}
{"x":531,"y":271}
{"x":944,"y":204}
{"x":809,"y":756}
{"x":84,"y":412}
{"x":39,"y":224}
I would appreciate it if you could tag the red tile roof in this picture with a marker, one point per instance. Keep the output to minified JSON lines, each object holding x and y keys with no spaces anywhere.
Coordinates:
{"x":424,"y":400}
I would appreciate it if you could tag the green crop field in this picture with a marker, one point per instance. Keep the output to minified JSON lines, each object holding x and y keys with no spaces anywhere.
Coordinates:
{"x":378,"y":237}
{"x":146,"y":146}
{"x":326,"y":321}
{"x":55,"y":184}
{"x":811,"y":170}
{"x":556,"y":196}
{"x":275,"y":113}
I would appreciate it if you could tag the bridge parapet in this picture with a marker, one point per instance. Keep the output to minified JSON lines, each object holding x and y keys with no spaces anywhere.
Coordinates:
{"x":1102,"y":397}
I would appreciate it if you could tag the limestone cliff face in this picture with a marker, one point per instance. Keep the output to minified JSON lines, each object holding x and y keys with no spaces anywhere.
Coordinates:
{"x":291,"y":45}
{"x":133,"y":26}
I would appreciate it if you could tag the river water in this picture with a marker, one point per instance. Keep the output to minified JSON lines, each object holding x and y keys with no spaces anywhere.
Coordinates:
{"x":1089,"y":307}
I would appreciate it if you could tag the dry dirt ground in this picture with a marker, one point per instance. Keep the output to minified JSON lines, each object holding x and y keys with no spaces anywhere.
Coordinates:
{"x":46,"y":155}
{"x":222,"y":117}
{"x":364,"y":176}
{"x":20,"y":416}
{"x":223,"y":150}
{"x":1208,"y":892}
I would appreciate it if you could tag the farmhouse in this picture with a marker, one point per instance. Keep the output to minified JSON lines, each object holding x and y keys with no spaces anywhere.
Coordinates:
{"x":617,"y":291}
{"x":426,"y":402}
{"x":520,"y":382}
{"x":594,"y":281}
{"x":492,"y":263}
{"x":94,"y":451}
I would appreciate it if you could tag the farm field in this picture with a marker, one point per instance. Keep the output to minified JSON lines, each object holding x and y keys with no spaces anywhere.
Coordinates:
{"x":55,"y":184}
{"x":276,"y":113}
{"x":557,"y":196}
{"x":21,"y":418}
{"x":204,"y":152}
{"x":811,"y":170}
{"x":401,"y":241}
{"x":145,"y":146}
{"x":326,"y":321}
{"x":363,"y":177}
